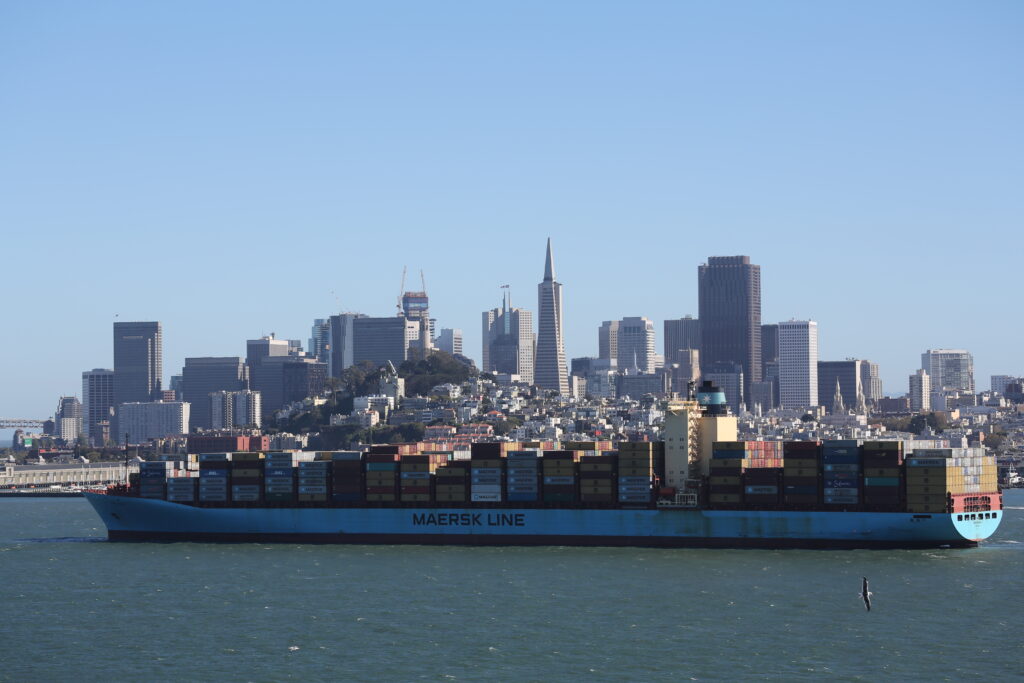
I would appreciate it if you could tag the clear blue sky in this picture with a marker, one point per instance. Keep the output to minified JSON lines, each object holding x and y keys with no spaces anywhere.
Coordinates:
{"x":237,"y":168}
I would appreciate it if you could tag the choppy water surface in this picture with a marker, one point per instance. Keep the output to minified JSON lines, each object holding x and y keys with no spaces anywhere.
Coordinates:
{"x":77,"y":607}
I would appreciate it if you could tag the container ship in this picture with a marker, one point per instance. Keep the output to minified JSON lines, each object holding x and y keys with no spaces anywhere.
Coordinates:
{"x":690,"y":490}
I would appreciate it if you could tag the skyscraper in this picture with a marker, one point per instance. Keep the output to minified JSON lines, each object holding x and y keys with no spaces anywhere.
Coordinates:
{"x":138,"y":362}
{"x":550,"y":371}
{"x":97,"y":404}
{"x":380,"y":340}
{"x":508,"y":341}
{"x":204,"y":376}
{"x":798,"y":363}
{"x":608,"y":340}
{"x":681,"y":335}
{"x":636,"y":344}
{"x":851,"y":382}
{"x":341,"y":342}
{"x":416,"y":307}
{"x":949,"y":369}
{"x":729,"y":293}
{"x":320,"y":339}
{"x":68,"y":419}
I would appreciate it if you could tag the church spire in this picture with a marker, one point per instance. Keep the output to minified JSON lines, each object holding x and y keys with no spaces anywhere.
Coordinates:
{"x":837,"y":401}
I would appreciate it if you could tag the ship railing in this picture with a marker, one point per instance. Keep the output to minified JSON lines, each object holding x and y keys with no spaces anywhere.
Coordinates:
{"x":682,"y":500}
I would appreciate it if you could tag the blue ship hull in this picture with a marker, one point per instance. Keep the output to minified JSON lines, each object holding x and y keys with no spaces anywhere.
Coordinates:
{"x":139,"y":519}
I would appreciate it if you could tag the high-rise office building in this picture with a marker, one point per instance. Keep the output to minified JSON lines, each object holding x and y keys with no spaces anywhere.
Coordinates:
{"x":951,"y":369}
{"x":608,"y":340}
{"x":920,"y":392}
{"x":636,"y":345}
{"x":549,"y":367}
{"x":379,"y":340}
{"x":449,"y":340}
{"x":138,"y":363}
{"x":729,"y":293}
{"x":508,"y":341}
{"x":97,"y":404}
{"x":681,"y":335}
{"x":342,"y":343}
{"x":281,"y":380}
{"x":320,"y":340}
{"x":851,"y":382}
{"x":264,"y":347}
{"x":204,"y":376}
{"x":798,"y":364}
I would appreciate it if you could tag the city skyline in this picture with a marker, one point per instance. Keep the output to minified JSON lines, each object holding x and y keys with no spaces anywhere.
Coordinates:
{"x":133,"y":165}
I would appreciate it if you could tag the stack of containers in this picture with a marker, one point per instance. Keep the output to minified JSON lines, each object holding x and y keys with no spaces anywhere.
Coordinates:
{"x":522,"y":476}
{"x":279,"y":478}
{"x":153,"y":478}
{"x":347,"y":482}
{"x":314,"y":478}
{"x":598,"y":475}
{"x":246,"y":477}
{"x":725,"y":483}
{"x":840,"y":473}
{"x":414,"y":483}
{"x":883,"y":463}
{"x":952,"y":479}
{"x":559,"y":470}
{"x":182,"y":489}
{"x":762,"y":486}
{"x":486,"y":474}
{"x":801,"y":463}
{"x":381,"y":477}
{"x":636,"y":464}
{"x":450,"y":482}
{"x":214,"y":477}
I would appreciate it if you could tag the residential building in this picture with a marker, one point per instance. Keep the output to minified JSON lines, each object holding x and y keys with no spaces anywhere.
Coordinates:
{"x":549,"y":368}
{"x":97,"y":405}
{"x":999,"y":383}
{"x":449,"y":340}
{"x":235,"y":409}
{"x":68,"y":419}
{"x":636,"y":344}
{"x":142,"y":421}
{"x":681,"y":336}
{"x":202,"y":377}
{"x":729,"y":293}
{"x":920,"y":392}
{"x":949,"y":369}
{"x":798,"y":364}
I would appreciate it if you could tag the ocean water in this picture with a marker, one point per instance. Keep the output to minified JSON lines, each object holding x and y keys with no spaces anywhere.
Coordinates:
{"x":79,"y":608}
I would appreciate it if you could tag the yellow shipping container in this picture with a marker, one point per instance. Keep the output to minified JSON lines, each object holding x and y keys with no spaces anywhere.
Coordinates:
{"x":724,"y":481}
{"x":489,"y":463}
{"x":451,"y":498}
{"x":246,"y":473}
{"x":414,"y":466}
{"x":415,"y":497}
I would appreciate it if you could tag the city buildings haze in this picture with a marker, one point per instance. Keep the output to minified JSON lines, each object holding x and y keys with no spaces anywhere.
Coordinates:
{"x":550,"y":371}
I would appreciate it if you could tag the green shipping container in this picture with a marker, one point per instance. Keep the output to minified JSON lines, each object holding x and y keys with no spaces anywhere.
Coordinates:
{"x":881,"y":481}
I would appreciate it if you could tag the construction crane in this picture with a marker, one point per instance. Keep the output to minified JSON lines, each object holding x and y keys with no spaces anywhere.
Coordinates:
{"x":401,"y":291}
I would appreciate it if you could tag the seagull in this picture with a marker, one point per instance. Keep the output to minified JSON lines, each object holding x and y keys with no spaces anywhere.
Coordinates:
{"x":865,"y":594}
